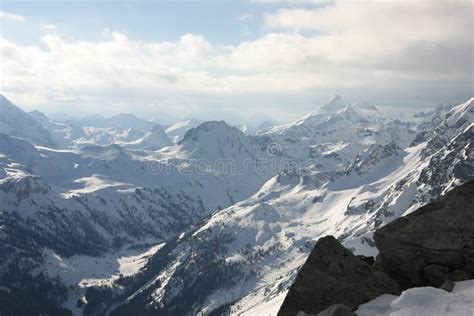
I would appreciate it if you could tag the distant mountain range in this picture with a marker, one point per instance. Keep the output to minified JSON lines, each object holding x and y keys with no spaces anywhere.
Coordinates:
{"x":222,"y":217}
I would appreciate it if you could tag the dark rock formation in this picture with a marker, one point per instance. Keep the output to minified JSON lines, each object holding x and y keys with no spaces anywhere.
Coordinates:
{"x":433,"y":244}
{"x":368,"y":260}
{"x":333,"y":275}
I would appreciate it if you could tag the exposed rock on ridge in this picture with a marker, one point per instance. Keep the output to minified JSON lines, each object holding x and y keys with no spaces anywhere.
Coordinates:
{"x":332,"y":275}
{"x":432,"y":246}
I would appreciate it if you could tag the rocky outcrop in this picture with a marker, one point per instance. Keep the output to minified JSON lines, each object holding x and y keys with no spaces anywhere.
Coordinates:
{"x":333,"y":275}
{"x":434,"y":244}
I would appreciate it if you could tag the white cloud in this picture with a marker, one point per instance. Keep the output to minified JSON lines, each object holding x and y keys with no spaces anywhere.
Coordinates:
{"x":390,"y":52}
{"x":7,"y":16}
{"x":354,"y":29}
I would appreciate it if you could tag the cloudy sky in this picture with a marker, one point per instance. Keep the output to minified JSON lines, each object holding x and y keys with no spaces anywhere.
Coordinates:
{"x":240,"y":61}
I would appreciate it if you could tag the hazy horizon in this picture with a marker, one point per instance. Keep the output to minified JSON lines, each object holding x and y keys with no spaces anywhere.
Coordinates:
{"x":389,"y":111}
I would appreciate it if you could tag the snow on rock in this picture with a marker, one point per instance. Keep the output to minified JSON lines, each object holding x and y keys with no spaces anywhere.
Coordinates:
{"x":335,"y":133}
{"x":424,"y":301}
{"x":177,"y":131}
{"x":153,"y":140}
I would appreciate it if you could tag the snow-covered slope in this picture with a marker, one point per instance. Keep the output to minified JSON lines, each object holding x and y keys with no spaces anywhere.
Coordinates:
{"x":342,"y":170}
{"x":263,"y":127}
{"x":216,"y":139}
{"x":15,"y":122}
{"x":255,"y":130}
{"x":177,"y":130}
{"x":153,"y":140}
{"x":335,"y":133}
{"x":243,"y":258}
{"x":218,"y":149}
{"x":65,"y":134}
{"x":424,"y":301}
{"x":97,"y":199}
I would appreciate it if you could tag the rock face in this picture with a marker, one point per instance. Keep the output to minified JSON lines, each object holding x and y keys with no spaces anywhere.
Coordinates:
{"x":432,"y":245}
{"x":333,"y":275}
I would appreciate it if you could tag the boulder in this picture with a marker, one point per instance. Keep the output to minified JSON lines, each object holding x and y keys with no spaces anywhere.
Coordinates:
{"x":432,"y":245}
{"x":333,"y":275}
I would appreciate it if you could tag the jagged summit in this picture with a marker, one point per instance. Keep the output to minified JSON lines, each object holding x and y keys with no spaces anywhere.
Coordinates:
{"x":336,"y":102}
{"x":155,"y":139}
{"x":210,"y":129}
{"x":461,"y":114}
{"x":336,"y":109}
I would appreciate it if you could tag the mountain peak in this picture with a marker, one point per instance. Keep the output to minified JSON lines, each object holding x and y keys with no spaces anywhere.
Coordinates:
{"x":40,"y":117}
{"x":215,"y":139}
{"x":125,"y":116}
{"x":217,"y":128}
{"x":461,"y":113}
{"x":156,"y":139}
{"x":334,"y":105}
{"x":16,"y":122}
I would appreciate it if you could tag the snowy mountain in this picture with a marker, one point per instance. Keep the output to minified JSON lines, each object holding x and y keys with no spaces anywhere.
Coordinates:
{"x":121,"y":121}
{"x":335,"y":133}
{"x":153,"y":140}
{"x":263,"y":127}
{"x":124,"y":129}
{"x":255,"y":130}
{"x":15,"y":122}
{"x":64,"y":134}
{"x":74,"y":204}
{"x":238,"y":213}
{"x":214,"y":140}
{"x":243,"y":258}
{"x":177,"y":130}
